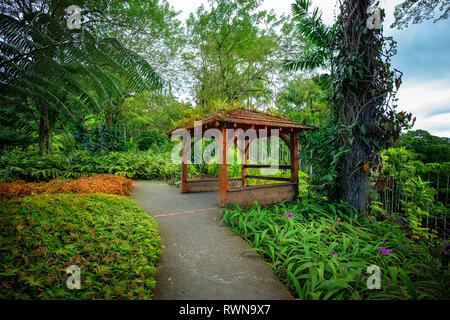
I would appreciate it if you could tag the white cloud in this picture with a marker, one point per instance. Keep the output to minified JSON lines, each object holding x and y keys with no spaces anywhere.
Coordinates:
{"x":430,"y":103}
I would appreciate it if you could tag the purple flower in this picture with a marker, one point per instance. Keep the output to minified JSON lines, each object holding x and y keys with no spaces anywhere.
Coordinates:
{"x":333,"y":253}
{"x":445,"y":252}
{"x":288,"y":214}
{"x":399,"y":247}
{"x":385,"y":251}
{"x":420,"y":270}
{"x":339,"y":220}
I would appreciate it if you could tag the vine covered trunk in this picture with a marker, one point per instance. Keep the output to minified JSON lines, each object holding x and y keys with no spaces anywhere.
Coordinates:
{"x":359,"y":97}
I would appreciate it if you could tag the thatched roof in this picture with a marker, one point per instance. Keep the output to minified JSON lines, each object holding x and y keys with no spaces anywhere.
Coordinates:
{"x":244,"y":118}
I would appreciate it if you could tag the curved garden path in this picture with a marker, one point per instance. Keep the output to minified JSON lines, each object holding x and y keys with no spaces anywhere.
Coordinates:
{"x":202,"y":258}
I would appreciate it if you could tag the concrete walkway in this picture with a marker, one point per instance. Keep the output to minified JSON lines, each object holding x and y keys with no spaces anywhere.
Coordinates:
{"x":202,"y":258}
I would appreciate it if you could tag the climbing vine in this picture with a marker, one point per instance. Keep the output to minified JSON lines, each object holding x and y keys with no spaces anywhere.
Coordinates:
{"x":362,"y":89}
{"x":363,"y":97}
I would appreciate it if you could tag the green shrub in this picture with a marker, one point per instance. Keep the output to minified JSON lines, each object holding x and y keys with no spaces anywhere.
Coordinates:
{"x":109,"y":237}
{"x":134,"y":165}
{"x":321,"y":253}
{"x":96,"y":137}
{"x":151,"y":138}
{"x":112,"y":138}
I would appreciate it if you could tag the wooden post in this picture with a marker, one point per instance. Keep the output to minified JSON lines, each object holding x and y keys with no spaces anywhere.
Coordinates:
{"x":244,"y":162}
{"x":223,"y":171}
{"x":294,"y":160}
{"x":184,"y":161}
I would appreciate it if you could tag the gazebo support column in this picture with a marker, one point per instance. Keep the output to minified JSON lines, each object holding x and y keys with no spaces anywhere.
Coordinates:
{"x":184,"y":160}
{"x":223,"y":171}
{"x":294,"y":160}
{"x":244,"y":162}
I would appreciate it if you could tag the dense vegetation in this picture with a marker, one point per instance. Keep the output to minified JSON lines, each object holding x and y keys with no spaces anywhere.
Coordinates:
{"x":115,"y":244}
{"x":83,"y":109}
{"x":135,"y":165}
{"x":319,"y":251}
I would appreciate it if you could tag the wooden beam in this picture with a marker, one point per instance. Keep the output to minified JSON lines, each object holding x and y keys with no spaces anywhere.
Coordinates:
{"x":223,"y":171}
{"x":270,"y":124}
{"x":281,"y":167}
{"x":268,"y":178}
{"x":286,"y":140}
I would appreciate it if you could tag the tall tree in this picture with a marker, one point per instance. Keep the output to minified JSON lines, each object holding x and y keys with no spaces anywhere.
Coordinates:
{"x":234,"y":50}
{"x":362,"y":91}
{"x":429,"y":148}
{"x":150,"y":28}
{"x":417,"y":11}
{"x":54,"y":71}
{"x":305,"y":100}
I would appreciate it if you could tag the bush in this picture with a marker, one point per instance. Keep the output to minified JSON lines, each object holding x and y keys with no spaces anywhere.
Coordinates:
{"x":109,"y":237}
{"x":99,"y":138}
{"x":321,"y":253}
{"x":112,"y":138}
{"x":151,"y":138}
{"x":106,"y":183}
{"x":134,"y":165}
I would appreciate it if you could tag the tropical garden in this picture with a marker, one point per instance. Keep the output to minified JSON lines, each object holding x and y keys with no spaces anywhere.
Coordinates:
{"x":90,"y":88}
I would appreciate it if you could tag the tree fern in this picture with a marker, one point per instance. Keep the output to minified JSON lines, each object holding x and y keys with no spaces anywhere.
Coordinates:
{"x":43,"y":61}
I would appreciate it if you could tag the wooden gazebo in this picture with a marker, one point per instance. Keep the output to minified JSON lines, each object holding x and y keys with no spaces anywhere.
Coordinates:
{"x":236,"y":190}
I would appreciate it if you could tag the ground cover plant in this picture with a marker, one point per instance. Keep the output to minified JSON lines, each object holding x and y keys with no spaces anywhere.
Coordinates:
{"x":147,"y":165}
{"x":105,"y":183}
{"x":319,"y":251}
{"x":115,"y":244}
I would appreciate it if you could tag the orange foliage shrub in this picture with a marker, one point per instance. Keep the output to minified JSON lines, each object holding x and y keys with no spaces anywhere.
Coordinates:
{"x":105,"y":183}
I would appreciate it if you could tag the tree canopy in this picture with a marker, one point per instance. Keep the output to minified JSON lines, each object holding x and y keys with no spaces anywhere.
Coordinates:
{"x":235,"y":49}
{"x":417,"y":11}
{"x":429,"y":148}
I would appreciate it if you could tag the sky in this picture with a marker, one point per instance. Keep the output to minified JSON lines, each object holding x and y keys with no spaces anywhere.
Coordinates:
{"x":423,"y":56}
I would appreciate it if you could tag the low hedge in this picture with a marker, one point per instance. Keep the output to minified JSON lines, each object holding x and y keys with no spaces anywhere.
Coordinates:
{"x":106,"y":183}
{"x":109,"y":237}
{"x":154,"y":164}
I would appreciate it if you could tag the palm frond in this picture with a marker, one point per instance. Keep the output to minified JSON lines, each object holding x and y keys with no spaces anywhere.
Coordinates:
{"x":317,"y":35}
{"x":41,"y":59}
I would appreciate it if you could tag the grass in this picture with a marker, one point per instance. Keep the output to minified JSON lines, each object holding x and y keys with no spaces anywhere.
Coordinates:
{"x":109,"y":237}
{"x":320,"y":253}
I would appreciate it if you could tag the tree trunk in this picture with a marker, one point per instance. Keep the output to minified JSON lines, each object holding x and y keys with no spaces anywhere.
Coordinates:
{"x":351,"y":182}
{"x":356,"y":101}
{"x":45,"y":129}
